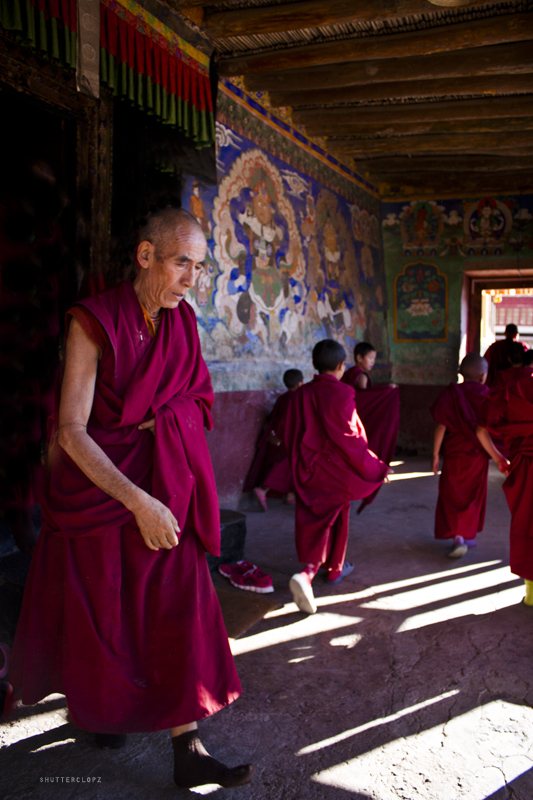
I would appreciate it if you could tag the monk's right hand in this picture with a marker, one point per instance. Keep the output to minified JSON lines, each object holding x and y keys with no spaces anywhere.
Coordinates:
{"x":157,"y":524}
{"x":435,"y":465}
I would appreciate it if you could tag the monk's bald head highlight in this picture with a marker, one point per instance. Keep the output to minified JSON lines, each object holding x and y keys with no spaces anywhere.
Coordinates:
{"x":473,"y":367}
{"x":161,"y":227}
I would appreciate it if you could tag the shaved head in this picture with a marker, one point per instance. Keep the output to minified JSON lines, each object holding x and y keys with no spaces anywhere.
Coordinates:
{"x":473,"y":367}
{"x":160,"y":227}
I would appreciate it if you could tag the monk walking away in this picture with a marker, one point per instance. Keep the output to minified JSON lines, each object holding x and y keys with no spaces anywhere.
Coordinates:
{"x":497,"y":355}
{"x":378,"y":407}
{"x":519,"y":366}
{"x":270,"y":468}
{"x":119,"y":613}
{"x":510,"y":415}
{"x":331,"y":465}
{"x":460,"y":512}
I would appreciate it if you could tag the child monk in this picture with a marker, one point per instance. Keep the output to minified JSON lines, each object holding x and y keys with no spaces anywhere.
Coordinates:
{"x":331,"y":465}
{"x":510,"y":414}
{"x":517,"y":368}
{"x":460,"y":512}
{"x":270,"y":468}
{"x":378,"y":407}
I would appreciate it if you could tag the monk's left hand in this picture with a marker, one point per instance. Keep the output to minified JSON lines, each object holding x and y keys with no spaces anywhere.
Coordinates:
{"x":149,"y":425}
{"x":504,"y":466}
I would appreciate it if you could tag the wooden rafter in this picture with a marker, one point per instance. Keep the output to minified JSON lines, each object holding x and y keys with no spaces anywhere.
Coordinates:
{"x":440,"y":143}
{"x":404,"y":113}
{"x":469,"y":163}
{"x":478,"y":33}
{"x":511,"y":126}
{"x":487,"y":86}
{"x":515,"y":58}
{"x":312,"y":14}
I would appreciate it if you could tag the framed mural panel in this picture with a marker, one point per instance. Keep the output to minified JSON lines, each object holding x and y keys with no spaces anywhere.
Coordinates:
{"x":420,"y":304}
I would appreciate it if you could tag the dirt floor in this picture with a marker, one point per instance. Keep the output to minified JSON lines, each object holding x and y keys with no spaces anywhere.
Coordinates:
{"x":412,"y":682}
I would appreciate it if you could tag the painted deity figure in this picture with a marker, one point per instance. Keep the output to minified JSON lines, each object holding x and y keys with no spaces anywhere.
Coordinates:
{"x":489,"y":223}
{"x":197,"y":209}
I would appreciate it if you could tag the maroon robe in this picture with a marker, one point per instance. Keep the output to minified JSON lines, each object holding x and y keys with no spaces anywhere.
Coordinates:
{"x":133,"y":637}
{"x":331,"y":465}
{"x":270,"y":467}
{"x":379,"y":410}
{"x":497,"y":356}
{"x":510,"y":414}
{"x":511,"y":375}
{"x":463,"y":481}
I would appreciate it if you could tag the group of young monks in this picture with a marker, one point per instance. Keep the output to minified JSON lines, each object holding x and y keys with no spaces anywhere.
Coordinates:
{"x":326,"y":445}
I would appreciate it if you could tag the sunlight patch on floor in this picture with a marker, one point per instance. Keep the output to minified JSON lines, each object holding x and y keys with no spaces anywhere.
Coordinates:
{"x":309,"y":626}
{"x":479,"y":752}
{"x":404,"y":476}
{"x":312,"y":748}
{"x":415,"y":598}
{"x":478,"y":606}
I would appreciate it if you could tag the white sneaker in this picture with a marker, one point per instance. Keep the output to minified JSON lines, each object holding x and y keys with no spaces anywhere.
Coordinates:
{"x":459,"y":548}
{"x":302,"y":593}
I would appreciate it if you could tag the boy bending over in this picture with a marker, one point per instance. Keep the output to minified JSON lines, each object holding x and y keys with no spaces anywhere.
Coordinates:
{"x":270,"y":468}
{"x":331,"y":465}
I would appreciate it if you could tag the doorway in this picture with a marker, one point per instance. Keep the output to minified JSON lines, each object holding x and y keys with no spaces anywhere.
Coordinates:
{"x":479,"y":314}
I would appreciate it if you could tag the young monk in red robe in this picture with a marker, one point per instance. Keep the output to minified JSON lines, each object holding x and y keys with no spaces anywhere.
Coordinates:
{"x":270,"y":468}
{"x":331,"y":465}
{"x":517,"y":368}
{"x":460,"y":512}
{"x":510,"y":414}
{"x":378,"y":407}
{"x":119,"y":613}
{"x":497,"y":355}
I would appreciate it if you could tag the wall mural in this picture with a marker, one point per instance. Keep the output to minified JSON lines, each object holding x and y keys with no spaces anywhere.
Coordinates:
{"x":420,"y":304}
{"x":486,"y":226}
{"x":289,"y":262}
{"x":427,"y":245}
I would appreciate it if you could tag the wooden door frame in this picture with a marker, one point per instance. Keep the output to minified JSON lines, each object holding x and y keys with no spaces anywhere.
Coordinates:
{"x":474,"y":282}
{"x":55,"y":87}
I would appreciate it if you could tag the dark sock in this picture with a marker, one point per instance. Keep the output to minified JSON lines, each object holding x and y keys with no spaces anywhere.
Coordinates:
{"x":110,"y":741}
{"x":193,"y":766}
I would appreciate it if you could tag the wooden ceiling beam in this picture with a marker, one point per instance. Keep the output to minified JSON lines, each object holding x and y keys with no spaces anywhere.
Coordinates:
{"x":477,"y":33}
{"x":393,"y":129}
{"x":487,"y":86}
{"x":404,"y":113}
{"x":515,"y":58}
{"x":445,"y":163}
{"x":456,"y":184}
{"x":445,"y":143}
{"x":313,"y":14}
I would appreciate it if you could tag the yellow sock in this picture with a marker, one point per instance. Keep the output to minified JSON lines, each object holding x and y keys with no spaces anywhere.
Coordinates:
{"x":528,"y":599}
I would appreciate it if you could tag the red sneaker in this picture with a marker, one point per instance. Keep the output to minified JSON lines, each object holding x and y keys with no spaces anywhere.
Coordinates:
{"x":227,"y":570}
{"x":255,"y":580}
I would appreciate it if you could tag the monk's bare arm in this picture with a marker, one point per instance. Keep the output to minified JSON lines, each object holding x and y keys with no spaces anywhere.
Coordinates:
{"x":488,"y":445}
{"x":156,"y":522}
{"x":438,"y":438}
{"x":362,"y":381}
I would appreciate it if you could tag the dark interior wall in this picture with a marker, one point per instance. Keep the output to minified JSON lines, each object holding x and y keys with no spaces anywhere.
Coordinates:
{"x":238,"y":419}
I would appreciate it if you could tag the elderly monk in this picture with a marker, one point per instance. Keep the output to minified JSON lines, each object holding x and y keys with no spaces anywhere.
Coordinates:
{"x":119,"y":613}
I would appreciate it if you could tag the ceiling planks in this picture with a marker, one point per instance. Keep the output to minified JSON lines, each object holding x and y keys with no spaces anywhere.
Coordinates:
{"x":485,"y":86}
{"x":521,"y":142}
{"x":415,"y":94}
{"x":312,"y":14}
{"x":507,"y":59}
{"x":477,"y":33}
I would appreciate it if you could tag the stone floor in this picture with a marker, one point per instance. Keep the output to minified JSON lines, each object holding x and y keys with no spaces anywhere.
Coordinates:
{"x":412,"y":682}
